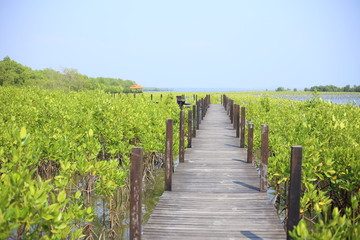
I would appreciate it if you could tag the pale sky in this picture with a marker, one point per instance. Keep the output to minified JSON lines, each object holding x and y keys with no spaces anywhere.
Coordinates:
{"x":253,"y":44}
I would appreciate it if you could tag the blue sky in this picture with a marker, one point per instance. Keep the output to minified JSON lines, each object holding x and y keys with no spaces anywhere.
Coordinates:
{"x":249,"y":44}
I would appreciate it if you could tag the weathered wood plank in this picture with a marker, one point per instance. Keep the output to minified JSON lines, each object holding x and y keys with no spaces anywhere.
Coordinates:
{"x":215,"y":193}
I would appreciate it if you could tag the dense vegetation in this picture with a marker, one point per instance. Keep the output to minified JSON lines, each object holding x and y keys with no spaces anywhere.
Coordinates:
{"x":332,"y":88}
{"x":330,"y":136}
{"x":13,"y":73}
{"x":326,"y":88}
{"x":60,"y":152}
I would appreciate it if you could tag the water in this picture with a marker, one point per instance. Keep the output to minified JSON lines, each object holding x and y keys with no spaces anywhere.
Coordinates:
{"x":192,"y":90}
{"x":152,"y":190}
{"x":339,"y":98}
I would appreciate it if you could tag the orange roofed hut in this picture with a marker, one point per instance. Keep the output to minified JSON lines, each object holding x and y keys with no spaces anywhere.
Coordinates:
{"x":136,"y":88}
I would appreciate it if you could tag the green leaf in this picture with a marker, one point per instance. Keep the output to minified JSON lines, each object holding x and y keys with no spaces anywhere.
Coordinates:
{"x":23,"y":133}
{"x":62,"y":196}
{"x":91,"y":133}
{"x":89,"y":210}
{"x":62,"y":226}
{"x":48,"y":217}
{"x":77,"y":194}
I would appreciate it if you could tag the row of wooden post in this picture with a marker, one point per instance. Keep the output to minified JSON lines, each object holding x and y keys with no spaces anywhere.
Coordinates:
{"x":238,"y":121}
{"x":195,"y":115}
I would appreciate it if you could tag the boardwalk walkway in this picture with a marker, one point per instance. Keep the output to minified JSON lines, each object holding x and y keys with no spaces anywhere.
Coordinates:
{"x":215,"y":192}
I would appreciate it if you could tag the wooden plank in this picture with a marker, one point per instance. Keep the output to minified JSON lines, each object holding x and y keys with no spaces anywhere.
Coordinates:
{"x":215,"y":192}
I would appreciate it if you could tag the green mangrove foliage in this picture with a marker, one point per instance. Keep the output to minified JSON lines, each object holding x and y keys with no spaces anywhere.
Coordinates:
{"x":59,"y":149}
{"x":330,"y":136}
{"x":13,"y":73}
{"x":332,"y":88}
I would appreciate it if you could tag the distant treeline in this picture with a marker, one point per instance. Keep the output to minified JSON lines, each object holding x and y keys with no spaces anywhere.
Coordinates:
{"x":13,"y":73}
{"x":154,"y":89}
{"x":332,"y":88}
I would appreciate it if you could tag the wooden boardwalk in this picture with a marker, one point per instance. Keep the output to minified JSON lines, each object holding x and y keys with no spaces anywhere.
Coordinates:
{"x":215,"y":192}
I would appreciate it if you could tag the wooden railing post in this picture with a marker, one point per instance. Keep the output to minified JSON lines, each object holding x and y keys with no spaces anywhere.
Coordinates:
{"x":242,"y":128}
{"x":294,"y":189}
{"x":190,"y":128}
{"x":168,"y":155}
{"x":234,"y":116}
{"x":264,"y":157}
{"x":250,"y":143}
{"x":207,"y":102}
{"x":224,"y":101}
{"x":198,"y":115}
{"x":202,"y":108}
{"x":227,"y":107}
{"x":136,"y":193}
{"x":194,"y":121}
{"x":237,"y":120}
{"x":231,"y":111}
{"x":182,"y":137}
{"x":205,"y":105}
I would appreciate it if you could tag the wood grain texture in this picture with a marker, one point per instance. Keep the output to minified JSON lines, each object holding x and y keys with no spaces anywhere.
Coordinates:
{"x":215,"y":193}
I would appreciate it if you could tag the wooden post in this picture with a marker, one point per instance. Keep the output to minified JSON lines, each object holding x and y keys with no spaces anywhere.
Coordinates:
{"x":168,"y":155}
{"x":225,"y":102}
{"x":205,"y":105}
{"x":264,"y":157}
{"x":231,"y":111}
{"x":190,"y":128}
{"x":250,"y":143}
{"x":151,"y":97}
{"x":206,"y":99}
{"x":198,"y":115}
{"x":194,"y":121}
{"x":136,"y":193}
{"x":182,"y":137}
{"x":202,"y":102}
{"x":242,"y":128}
{"x":294,"y":189}
{"x":234,"y":116}
{"x":236,"y":119}
{"x":237,"y":127}
{"x":227,"y":108}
